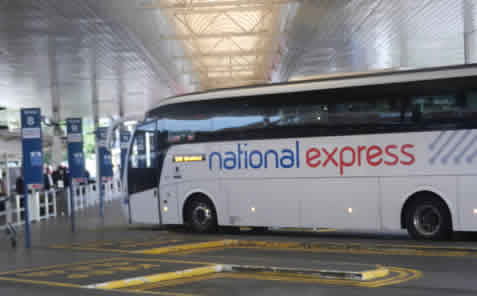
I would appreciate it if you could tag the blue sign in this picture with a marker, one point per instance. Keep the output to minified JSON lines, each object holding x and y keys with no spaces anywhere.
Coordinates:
{"x":140,"y":139}
{"x":74,"y":128}
{"x":124,"y":137}
{"x":105,"y":159}
{"x":32,"y":148}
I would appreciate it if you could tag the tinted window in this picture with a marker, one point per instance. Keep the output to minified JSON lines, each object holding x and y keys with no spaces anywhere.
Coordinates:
{"x":391,"y":108}
{"x":469,"y":106}
{"x":186,"y":130}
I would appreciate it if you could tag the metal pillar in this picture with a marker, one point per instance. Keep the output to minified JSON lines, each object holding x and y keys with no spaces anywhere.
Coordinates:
{"x":26,"y":214}
{"x":55,"y":100}
{"x":7,"y":176}
{"x":95,"y":103}
{"x":469,"y":31}
{"x":121,"y":86}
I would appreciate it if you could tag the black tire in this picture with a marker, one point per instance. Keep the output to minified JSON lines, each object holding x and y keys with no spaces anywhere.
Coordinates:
{"x":429,"y":219}
{"x":201,"y":216}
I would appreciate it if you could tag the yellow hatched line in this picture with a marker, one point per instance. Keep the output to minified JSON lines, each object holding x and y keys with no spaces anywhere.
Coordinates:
{"x":37,"y":282}
{"x":66,"y":285}
{"x":62,"y":265}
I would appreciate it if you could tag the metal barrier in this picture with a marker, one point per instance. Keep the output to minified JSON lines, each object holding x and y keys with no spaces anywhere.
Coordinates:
{"x":44,"y":205}
{"x":86,"y":196}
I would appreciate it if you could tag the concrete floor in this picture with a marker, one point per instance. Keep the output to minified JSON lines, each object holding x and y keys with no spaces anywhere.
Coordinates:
{"x":104,"y":248}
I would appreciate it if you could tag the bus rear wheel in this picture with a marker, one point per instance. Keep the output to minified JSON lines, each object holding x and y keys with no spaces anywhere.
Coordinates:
{"x":429,"y":219}
{"x":201,"y":216}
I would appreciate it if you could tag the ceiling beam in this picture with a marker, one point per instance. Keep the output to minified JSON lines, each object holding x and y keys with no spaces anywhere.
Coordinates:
{"x":229,"y":68}
{"x":261,"y":33}
{"x":155,"y":4}
{"x":232,"y":53}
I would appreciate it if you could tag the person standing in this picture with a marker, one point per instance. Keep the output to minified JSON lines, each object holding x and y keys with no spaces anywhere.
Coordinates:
{"x":19,"y":185}
{"x":56,"y":176}
{"x":3,"y":184}
{"x":47,"y":180}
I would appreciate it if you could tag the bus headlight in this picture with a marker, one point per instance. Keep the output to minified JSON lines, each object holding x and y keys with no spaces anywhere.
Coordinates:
{"x":165,"y":209}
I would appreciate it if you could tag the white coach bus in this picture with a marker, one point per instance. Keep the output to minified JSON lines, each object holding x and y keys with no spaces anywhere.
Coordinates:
{"x":384,"y":151}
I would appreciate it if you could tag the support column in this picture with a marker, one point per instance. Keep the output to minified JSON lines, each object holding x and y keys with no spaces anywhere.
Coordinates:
{"x":121,"y":86}
{"x":469,"y":31}
{"x":95,"y":103}
{"x":7,"y":176}
{"x":56,"y":149}
{"x":403,"y":40}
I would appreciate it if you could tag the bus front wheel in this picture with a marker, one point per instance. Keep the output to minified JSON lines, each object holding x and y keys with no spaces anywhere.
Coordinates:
{"x":429,"y":219}
{"x":201,"y":216}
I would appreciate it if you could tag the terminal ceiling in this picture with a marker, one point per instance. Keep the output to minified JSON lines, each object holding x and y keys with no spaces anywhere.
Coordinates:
{"x":124,"y":56}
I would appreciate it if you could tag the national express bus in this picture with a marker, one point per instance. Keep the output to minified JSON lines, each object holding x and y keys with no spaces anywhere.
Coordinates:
{"x":383,"y":152}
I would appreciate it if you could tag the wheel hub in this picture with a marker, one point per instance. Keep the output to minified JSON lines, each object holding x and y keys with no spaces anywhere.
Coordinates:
{"x":202,"y":214}
{"x":427,"y":220}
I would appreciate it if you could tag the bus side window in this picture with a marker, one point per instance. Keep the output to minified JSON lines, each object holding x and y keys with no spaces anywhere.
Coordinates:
{"x":469,"y":108}
{"x":438,"y":111}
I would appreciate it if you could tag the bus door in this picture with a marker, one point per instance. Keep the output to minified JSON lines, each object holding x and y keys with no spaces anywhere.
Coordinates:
{"x":143,"y":177}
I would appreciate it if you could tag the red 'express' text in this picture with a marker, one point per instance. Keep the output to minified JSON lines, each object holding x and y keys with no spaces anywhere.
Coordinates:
{"x":348,"y":156}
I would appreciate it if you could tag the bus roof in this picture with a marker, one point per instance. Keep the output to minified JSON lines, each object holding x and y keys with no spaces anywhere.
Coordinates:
{"x":330,"y":82}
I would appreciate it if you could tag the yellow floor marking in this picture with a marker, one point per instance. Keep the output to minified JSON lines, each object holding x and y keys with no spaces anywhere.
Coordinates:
{"x":137,"y":281}
{"x":65,"y":285}
{"x":117,"y":265}
{"x":404,"y":275}
{"x":183,"y":253}
{"x":149,"y":243}
{"x":181,"y":281}
{"x":327,"y":247}
{"x":374,"y":274}
{"x":126,"y":243}
{"x":154,"y":292}
{"x":95,"y":249}
{"x":172,"y":261}
{"x":187,"y":247}
{"x":47,"y":283}
{"x":371,"y":284}
{"x":59,"y":266}
{"x":401,"y":275}
{"x":82,"y":268}
{"x":78,"y":276}
{"x":362,"y":251}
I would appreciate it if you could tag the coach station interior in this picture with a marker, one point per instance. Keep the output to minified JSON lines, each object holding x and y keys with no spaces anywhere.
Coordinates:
{"x":108,"y":64}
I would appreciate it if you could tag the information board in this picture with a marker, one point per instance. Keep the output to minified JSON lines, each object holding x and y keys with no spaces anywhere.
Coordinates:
{"x":32,"y":148}
{"x":74,"y":128}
